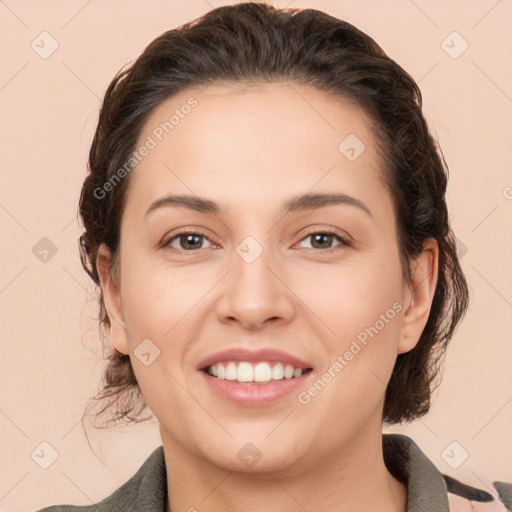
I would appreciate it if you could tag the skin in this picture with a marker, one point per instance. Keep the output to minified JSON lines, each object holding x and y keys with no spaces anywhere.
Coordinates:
{"x":250,"y":149}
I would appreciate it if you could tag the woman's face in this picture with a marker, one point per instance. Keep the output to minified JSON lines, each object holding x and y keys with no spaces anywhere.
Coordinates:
{"x":261,"y":269}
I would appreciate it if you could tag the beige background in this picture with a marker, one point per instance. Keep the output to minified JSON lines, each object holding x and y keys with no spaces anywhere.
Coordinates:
{"x":50,"y":348}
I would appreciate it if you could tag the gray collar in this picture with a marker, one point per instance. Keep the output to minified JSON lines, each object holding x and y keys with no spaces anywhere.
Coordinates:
{"x":426,"y":488}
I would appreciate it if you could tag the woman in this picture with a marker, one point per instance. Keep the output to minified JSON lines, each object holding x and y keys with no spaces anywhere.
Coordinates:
{"x":265,"y":215}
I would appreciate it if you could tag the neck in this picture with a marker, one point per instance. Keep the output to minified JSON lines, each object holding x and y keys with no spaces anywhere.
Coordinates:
{"x":350,"y":479}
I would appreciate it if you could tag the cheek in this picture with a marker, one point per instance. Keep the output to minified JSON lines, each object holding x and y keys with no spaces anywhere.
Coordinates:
{"x":363,"y":313}
{"x":155,"y":298}
{"x":354,"y":299}
{"x":161,"y":308}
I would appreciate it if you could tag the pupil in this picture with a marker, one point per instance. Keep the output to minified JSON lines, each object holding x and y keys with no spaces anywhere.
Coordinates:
{"x":320,"y":236}
{"x":190,"y":237}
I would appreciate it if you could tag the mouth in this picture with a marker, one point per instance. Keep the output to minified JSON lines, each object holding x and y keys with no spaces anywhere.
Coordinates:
{"x":263,"y":372}
{"x":254,"y":377}
{"x":254,"y":384}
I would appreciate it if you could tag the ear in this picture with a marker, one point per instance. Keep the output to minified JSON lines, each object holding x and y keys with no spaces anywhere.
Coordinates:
{"x":424,"y":273}
{"x":112,"y":298}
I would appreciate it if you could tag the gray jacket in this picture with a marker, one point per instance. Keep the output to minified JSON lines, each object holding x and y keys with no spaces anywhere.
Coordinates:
{"x":427,"y":488}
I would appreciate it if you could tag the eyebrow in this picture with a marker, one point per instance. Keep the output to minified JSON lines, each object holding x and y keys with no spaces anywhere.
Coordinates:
{"x":294,"y":204}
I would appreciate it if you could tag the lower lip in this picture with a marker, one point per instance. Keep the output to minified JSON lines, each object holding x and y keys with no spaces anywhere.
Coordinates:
{"x":254,"y":393}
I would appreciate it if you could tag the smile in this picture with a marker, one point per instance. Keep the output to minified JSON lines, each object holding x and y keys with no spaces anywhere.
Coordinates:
{"x":262,"y":372}
{"x":250,"y":392}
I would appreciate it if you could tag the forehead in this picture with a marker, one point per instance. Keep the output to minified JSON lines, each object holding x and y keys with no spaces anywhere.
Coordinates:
{"x":259,"y":141}
{"x":273,"y":114}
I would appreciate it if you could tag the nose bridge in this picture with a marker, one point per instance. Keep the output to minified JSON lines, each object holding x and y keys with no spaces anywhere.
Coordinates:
{"x":252,"y":263}
{"x":255,"y":294}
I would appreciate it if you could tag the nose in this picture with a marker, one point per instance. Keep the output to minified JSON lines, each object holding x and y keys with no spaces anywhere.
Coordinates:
{"x":255,"y":294}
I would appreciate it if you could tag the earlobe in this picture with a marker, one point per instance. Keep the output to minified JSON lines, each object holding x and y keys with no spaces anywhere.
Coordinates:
{"x":112,"y":299}
{"x":424,"y":273}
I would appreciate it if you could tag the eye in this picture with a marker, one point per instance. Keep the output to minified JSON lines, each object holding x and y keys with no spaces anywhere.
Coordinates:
{"x":192,"y":240}
{"x":186,"y":240}
{"x":323,"y":240}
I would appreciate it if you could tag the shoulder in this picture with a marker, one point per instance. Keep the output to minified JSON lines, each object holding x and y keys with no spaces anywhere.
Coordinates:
{"x":145,"y":490}
{"x":429,"y":489}
{"x":474,"y":492}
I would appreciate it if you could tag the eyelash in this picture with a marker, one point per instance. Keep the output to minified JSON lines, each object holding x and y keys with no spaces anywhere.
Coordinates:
{"x":344,"y":241}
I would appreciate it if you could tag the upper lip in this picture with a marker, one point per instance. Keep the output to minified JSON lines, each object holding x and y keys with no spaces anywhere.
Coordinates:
{"x":243,"y":354}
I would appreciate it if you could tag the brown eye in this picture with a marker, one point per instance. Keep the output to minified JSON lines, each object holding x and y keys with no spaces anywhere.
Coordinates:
{"x":325,"y":240}
{"x":321,"y":240}
{"x":186,"y":241}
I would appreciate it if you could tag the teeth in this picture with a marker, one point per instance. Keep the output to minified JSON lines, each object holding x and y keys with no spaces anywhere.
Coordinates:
{"x":261,"y":372}
{"x":278,"y":371}
{"x":231,"y":372}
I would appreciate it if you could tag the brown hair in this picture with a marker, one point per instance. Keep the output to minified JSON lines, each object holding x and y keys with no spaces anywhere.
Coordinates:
{"x":256,"y":43}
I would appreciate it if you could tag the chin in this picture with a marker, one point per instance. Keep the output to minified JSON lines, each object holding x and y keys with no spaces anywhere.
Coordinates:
{"x":256,"y":455}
